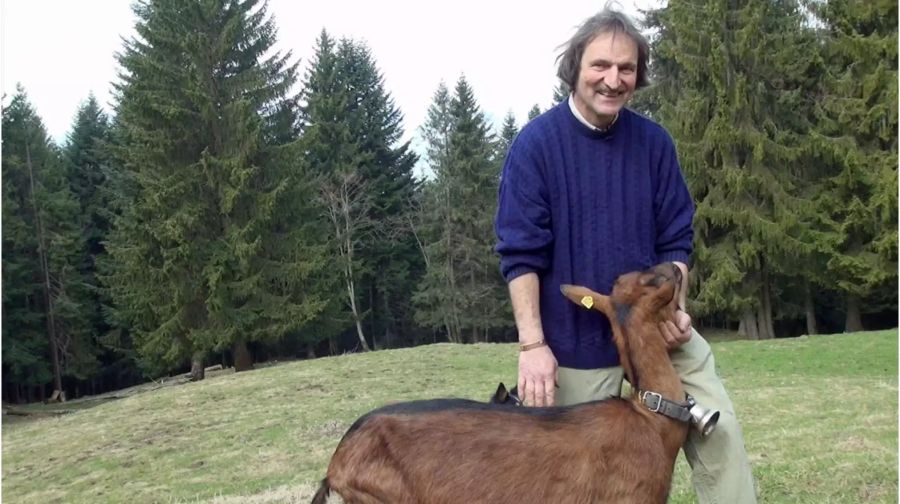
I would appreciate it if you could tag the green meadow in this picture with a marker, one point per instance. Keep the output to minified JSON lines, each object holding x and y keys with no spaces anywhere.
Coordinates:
{"x":819,"y":416}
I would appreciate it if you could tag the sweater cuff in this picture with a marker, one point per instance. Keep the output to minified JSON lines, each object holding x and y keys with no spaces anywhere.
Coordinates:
{"x":675,"y":255}
{"x":518,"y":271}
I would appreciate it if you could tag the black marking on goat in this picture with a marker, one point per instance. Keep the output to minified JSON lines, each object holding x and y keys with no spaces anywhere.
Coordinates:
{"x":439,"y":405}
{"x":622,"y":312}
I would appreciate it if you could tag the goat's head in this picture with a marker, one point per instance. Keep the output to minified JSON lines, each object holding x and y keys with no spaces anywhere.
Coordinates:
{"x":652,"y":294}
{"x":640,"y":300}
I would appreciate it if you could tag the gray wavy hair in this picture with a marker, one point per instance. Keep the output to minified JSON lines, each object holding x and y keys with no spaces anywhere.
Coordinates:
{"x":606,"y":21}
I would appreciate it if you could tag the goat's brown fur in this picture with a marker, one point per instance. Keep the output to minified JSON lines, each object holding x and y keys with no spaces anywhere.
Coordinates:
{"x":451,"y":451}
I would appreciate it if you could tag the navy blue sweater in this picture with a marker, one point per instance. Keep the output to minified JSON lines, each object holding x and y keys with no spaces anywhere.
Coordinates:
{"x":582,"y":207}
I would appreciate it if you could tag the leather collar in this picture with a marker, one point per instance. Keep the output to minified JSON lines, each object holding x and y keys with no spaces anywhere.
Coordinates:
{"x":659,"y":404}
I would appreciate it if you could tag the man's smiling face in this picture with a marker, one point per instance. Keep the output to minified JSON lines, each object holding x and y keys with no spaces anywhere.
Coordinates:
{"x":607,"y":77}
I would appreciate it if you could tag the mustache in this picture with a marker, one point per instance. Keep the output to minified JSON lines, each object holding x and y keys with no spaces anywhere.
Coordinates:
{"x":603,"y":88}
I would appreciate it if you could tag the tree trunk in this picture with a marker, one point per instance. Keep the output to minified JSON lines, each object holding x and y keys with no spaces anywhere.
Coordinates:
{"x":333,"y":348}
{"x":811,"y":326}
{"x":351,"y":293}
{"x":243,"y":361}
{"x":198,"y":370}
{"x":749,"y":324}
{"x":45,"y":273}
{"x":766,"y":326}
{"x":388,"y":320}
{"x":854,"y":319}
{"x":360,"y":335}
{"x":373,"y":319}
{"x":355,"y":311}
{"x":310,"y":351}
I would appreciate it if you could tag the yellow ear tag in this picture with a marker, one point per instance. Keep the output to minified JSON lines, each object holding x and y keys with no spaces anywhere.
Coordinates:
{"x":588,"y":302}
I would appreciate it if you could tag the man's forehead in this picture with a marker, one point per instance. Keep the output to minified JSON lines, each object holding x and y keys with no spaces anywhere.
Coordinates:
{"x":614,"y":42}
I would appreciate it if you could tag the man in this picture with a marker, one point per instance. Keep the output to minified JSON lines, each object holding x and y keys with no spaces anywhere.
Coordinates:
{"x":591,"y":190}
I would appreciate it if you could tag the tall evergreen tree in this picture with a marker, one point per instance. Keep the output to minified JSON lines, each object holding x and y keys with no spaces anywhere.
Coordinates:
{"x":352,"y":132}
{"x":45,"y":324}
{"x":534,"y":112}
{"x":508,"y":132}
{"x":855,"y":150}
{"x":561,"y":92}
{"x":86,"y":165}
{"x":393,"y":261}
{"x":215,"y":247}
{"x":330,"y":149}
{"x":462,"y":291}
{"x":729,"y":79}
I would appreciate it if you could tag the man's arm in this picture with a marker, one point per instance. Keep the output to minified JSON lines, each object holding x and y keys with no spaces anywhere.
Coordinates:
{"x":537,"y":365}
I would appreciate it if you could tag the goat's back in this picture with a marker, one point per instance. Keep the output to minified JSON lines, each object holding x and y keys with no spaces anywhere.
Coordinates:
{"x":450,"y":451}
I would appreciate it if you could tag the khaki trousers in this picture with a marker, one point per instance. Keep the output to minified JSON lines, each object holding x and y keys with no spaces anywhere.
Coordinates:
{"x":721,"y":470}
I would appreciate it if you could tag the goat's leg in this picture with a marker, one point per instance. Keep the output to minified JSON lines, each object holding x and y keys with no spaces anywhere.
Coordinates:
{"x":378,"y":483}
{"x":366,"y":472}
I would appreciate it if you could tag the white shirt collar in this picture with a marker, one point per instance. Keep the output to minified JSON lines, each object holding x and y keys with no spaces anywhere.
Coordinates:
{"x":584,"y":121}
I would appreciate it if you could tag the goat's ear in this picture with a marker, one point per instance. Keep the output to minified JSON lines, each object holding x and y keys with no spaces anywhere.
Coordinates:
{"x":588,"y":299}
{"x":501,"y":395}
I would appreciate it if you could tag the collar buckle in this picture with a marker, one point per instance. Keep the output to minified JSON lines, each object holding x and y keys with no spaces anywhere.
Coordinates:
{"x":652,"y":400}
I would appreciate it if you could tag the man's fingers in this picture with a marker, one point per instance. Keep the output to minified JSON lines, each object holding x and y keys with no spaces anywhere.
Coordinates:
{"x":540,"y":397}
{"x":683,"y":321}
{"x":530,"y":392}
{"x":549,"y":392}
{"x":685,"y":336}
{"x":665,"y":330}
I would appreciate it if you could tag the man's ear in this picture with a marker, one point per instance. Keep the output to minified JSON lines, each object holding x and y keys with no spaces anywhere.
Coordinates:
{"x":586,"y":298}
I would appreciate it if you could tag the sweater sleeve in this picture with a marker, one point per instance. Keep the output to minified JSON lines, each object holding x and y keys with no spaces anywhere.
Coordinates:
{"x":673,"y":206}
{"x":522,"y":222}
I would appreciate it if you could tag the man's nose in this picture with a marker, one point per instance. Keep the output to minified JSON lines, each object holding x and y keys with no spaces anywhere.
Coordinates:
{"x":612,"y":77}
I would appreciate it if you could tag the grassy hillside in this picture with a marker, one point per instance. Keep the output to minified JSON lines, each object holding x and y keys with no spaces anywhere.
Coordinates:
{"x":819,"y":417}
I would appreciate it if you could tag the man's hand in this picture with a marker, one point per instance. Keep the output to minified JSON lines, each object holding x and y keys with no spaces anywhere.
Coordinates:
{"x":537,"y":376}
{"x":676,"y":332}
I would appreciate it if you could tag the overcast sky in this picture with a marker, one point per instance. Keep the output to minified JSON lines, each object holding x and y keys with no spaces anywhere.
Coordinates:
{"x":61,"y":50}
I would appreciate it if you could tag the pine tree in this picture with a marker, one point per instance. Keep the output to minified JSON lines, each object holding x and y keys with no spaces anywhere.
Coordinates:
{"x":729,"y":82}
{"x":352,"y":131}
{"x":508,"y":133}
{"x":855,"y":149}
{"x":216,"y":246}
{"x":462,"y":291}
{"x":393,"y":262}
{"x":430,"y":212}
{"x":86,"y":163}
{"x":45,"y":324}
{"x":534,"y":112}
{"x":561,"y":92}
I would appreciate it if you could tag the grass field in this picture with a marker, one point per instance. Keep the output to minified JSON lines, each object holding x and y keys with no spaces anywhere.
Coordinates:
{"x":819,"y":417}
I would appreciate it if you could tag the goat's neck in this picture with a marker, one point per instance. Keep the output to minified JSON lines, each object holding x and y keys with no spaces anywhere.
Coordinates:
{"x":651,"y":363}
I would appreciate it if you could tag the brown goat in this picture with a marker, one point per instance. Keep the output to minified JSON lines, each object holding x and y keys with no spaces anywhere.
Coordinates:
{"x":449,"y":451}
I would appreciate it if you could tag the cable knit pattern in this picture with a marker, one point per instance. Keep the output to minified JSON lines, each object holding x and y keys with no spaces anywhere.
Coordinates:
{"x":582,"y":207}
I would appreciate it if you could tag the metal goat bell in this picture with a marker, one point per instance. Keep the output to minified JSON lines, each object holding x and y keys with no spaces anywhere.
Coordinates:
{"x":703,"y":419}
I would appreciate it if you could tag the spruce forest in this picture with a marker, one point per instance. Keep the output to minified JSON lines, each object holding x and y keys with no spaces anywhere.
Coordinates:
{"x":236,"y":207}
